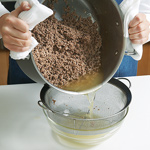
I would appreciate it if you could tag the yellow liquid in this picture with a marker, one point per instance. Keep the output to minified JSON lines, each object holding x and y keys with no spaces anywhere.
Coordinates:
{"x":89,"y":114}
{"x":90,"y":97}
{"x":85,"y":82}
{"x":75,"y":140}
{"x":82,"y":141}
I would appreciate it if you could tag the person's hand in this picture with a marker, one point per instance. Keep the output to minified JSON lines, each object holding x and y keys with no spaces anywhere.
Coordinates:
{"x":15,"y":32}
{"x":139,"y":29}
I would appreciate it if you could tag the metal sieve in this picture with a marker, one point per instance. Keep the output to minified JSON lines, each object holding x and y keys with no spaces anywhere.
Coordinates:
{"x":70,"y":111}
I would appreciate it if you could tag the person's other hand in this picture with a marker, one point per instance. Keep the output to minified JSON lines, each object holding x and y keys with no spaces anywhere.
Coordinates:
{"x":139,"y":29}
{"x":15,"y":32}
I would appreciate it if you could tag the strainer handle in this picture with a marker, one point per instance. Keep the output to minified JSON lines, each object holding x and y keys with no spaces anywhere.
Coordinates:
{"x":44,"y":108}
{"x":41,"y":105}
{"x":126,"y":80}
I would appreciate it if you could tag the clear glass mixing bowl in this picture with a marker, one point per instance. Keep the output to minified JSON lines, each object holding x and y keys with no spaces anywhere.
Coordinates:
{"x":76,"y":124}
{"x":77,"y":138}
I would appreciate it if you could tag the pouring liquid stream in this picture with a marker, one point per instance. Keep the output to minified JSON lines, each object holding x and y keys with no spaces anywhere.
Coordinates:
{"x":90,"y":97}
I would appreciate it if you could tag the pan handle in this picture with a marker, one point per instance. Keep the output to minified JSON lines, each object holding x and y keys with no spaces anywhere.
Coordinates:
{"x":120,"y":78}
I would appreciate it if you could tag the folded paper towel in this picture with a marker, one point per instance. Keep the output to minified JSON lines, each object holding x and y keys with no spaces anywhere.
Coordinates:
{"x":25,"y":54}
{"x":32,"y":17}
{"x":130,"y":9}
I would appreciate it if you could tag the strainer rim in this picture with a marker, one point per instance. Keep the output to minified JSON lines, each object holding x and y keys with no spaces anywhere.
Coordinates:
{"x":113,"y":81}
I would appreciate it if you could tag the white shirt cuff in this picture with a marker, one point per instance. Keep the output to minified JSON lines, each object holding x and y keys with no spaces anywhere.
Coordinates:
{"x":148,"y":19}
{"x":3,"y":11}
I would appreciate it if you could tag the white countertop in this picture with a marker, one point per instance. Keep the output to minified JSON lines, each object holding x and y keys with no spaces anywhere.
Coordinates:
{"x":23,"y":125}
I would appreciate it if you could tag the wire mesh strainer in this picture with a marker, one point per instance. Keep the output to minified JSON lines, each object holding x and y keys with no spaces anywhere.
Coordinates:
{"x":110,"y":107}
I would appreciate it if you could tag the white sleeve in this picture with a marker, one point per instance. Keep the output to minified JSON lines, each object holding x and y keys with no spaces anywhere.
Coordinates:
{"x":3,"y":11}
{"x":145,"y":8}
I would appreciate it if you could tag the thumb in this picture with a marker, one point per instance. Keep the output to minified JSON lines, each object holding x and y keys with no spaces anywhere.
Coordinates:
{"x":23,"y":7}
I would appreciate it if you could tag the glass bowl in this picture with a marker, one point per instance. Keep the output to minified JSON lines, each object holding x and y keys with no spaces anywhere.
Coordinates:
{"x":79,"y":122}
{"x":74,"y":138}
